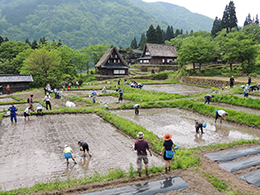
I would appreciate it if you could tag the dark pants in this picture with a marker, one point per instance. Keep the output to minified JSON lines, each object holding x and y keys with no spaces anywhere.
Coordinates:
{"x":136,"y":111}
{"x":207,"y":99}
{"x":48,"y":103}
{"x":199,"y":126}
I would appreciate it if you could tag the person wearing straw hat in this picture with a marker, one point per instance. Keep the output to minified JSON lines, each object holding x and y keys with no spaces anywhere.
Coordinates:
{"x":167,"y":146}
{"x":141,"y":146}
{"x":68,"y":154}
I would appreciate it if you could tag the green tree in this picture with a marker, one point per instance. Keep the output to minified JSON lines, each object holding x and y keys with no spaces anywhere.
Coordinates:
{"x":253,"y":30}
{"x":28,"y":42}
{"x":134,"y":44}
{"x":197,"y":51}
{"x":17,"y":62}
{"x":169,"y":33}
{"x":34,"y":44}
{"x":159,"y":35}
{"x":217,"y":27}
{"x":42,"y":64}
{"x":97,"y":51}
{"x":67,"y":62}
{"x":151,"y":35}
{"x":10,"y":49}
{"x":142,"y":42}
{"x":229,"y":19}
{"x":248,"y":20}
{"x":1,"y":40}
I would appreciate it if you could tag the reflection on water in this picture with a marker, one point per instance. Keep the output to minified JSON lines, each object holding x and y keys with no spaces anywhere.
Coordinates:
{"x":180,"y":123}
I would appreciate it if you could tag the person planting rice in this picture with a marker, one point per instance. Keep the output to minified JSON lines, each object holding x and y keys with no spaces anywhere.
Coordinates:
{"x":68,"y":154}
{"x":26,"y":113}
{"x":199,"y":126}
{"x":39,"y":109}
{"x":136,"y":107}
{"x":84,"y":147}
{"x":168,"y":151}
{"x":208,"y":98}
{"x":120,"y":98}
{"x":221,"y":114}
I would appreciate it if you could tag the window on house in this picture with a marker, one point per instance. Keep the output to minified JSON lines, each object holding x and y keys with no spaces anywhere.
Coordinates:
{"x":119,"y":71}
{"x":118,"y":61}
{"x":147,"y":53}
{"x":115,"y":56}
{"x":163,"y":60}
{"x":114,"y":61}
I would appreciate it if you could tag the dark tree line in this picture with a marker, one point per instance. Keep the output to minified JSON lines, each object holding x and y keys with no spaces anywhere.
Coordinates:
{"x":156,"y":35}
{"x":229,"y":20}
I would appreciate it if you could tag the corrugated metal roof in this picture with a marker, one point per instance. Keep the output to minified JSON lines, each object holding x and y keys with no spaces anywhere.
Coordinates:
{"x":12,"y":78}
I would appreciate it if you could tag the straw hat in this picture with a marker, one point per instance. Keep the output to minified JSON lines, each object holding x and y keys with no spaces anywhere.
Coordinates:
{"x":167,"y":136}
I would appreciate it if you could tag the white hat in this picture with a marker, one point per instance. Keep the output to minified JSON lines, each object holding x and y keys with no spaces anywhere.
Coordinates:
{"x":140,"y":135}
{"x":65,"y":146}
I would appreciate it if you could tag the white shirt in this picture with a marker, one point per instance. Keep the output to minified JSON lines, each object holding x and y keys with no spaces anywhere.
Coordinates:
{"x":221,"y":112}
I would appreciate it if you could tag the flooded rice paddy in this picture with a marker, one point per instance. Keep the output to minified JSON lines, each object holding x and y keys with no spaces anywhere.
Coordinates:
{"x":177,"y":88}
{"x":7,"y":99}
{"x":106,"y":99}
{"x":181,"y":124}
{"x":32,"y":151}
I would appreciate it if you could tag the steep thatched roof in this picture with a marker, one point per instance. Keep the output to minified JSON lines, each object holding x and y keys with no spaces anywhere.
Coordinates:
{"x":103,"y":60}
{"x":15,"y":78}
{"x":160,"y":50}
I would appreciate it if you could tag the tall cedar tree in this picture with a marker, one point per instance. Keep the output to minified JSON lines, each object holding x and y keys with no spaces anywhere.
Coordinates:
{"x":217,"y":27}
{"x":151,"y":35}
{"x":159,"y":36}
{"x":142,"y":42}
{"x":169,"y":33}
{"x":134,"y":44}
{"x":34,"y":44}
{"x":28,"y":42}
{"x":229,"y":19}
{"x":248,"y":20}
{"x":1,"y":40}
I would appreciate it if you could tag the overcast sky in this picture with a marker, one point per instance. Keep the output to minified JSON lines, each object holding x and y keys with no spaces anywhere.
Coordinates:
{"x":213,"y":8}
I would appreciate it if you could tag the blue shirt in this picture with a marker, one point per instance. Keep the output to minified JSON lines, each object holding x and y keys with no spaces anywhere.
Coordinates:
{"x":94,"y":93}
{"x":12,"y":109}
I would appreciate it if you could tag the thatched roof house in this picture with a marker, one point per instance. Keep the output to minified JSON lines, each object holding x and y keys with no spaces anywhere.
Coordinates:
{"x":112,"y":65}
{"x":158,"y":54}
{"x":16,"y":82}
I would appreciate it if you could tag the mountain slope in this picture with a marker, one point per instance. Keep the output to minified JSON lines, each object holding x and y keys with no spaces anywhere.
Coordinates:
{"x":176,"y":16}
{"x":77,"y":22}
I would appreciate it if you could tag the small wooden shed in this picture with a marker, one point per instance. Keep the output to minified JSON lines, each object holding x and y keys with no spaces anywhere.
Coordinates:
{"x":112,"y":65}
{"x":15,"y":82}
{"x":156,"y":54}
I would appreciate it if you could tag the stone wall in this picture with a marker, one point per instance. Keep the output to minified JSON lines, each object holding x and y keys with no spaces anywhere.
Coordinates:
{"x":207,"y":81}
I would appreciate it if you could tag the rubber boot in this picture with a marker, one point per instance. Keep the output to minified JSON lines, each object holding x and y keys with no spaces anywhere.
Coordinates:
{"x":147,"y":174}
{"x":166,"y":170}
{"x":169,"y":169}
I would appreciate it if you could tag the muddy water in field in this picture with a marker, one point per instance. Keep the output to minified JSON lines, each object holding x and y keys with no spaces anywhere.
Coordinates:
{"x":180,"y":123}
{"x":32,"y":151}
{"x":177,"y":88}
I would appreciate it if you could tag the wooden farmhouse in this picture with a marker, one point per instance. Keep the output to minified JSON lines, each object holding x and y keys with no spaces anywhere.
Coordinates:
{"x":111,"y":65}
{"x":157,"y":54}
{"x":16,"y":82}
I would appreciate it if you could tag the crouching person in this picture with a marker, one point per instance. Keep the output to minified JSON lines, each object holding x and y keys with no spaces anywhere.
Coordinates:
{"x":199,"y":126}
{"x":68,"y":153}
{"x":26,"y":113}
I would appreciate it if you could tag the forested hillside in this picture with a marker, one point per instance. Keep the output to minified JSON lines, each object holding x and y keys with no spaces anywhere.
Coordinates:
{"x":80,"y":22}
{"x":176,"y":16}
